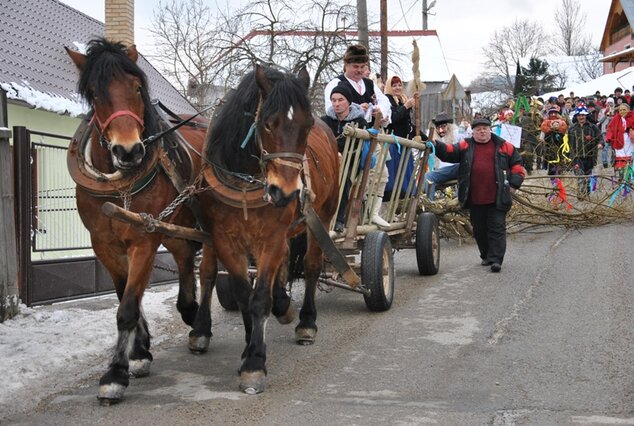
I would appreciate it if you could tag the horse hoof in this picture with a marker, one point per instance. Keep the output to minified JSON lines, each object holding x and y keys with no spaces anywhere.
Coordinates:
{"x":305,"y":336}
{"x":140,"y":367}
{"x":288,"y":317}
{"x":199,"y":344}
{"x":111,"y":393}
{"x":252,"y":382}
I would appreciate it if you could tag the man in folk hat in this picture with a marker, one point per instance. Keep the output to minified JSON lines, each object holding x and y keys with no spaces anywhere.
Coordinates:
{"x":584,"y":139}
{"x":490,"y":170}
{"x":364,"y":92}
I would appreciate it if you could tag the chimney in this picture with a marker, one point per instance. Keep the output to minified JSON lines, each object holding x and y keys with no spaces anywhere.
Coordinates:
{"x":119,"y":19}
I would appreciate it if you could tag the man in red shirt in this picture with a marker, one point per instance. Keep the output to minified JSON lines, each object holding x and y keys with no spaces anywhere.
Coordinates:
{"x":490,"y":171}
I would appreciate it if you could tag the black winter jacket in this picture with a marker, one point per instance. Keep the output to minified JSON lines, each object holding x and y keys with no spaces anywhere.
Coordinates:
{"x":509,"y":171}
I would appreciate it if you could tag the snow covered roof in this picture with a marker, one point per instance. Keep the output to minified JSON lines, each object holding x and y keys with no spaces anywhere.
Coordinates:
{"x":35,"y":69}
{"x":605,"y":84}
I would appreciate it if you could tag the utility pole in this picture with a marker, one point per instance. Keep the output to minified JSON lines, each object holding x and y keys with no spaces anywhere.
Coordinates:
{"x":362,"y":18}
{"x":383,"y":40}
{"x":426,"y":10}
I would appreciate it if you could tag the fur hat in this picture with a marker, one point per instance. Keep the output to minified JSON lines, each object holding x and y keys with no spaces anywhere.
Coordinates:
{"x":356,"y":54}
{"x":343,"y":90}
{"x":442,"y":118}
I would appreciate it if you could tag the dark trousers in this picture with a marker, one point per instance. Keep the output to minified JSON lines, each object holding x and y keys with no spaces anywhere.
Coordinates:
{"x":341,"y":214}
{"x":583,"y":167}
{"x":489,"y":231}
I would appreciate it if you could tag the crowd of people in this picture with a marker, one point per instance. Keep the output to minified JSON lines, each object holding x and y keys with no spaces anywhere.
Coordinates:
{"x":568,"y":133}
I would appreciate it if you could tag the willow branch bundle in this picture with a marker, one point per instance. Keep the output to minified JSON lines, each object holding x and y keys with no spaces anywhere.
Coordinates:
{"x":541,"y":204}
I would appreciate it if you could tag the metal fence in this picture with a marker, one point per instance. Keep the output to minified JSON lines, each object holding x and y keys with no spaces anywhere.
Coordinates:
{"x":56,"y":223}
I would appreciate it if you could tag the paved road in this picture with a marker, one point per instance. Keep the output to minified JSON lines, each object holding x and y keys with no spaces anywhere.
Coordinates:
{"x":546,"y":341}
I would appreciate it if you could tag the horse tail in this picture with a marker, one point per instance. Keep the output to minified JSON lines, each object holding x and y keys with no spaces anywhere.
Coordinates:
{"x":298,"y":246}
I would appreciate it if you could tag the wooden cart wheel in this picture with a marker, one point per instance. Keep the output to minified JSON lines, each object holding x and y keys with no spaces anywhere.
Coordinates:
{"x":377,"y":271}
{"x":427,"y":244}
{"x":223,"y":291}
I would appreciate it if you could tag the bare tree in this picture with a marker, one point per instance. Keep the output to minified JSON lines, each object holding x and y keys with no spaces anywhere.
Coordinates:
{"x":570,"y":37}
{"x":202,"y":51}
{"x":508,"y":44}
{"x":588,"y":65}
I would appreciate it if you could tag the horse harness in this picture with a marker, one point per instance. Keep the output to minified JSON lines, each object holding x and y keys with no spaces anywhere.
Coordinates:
{"x":246,"y":191}
{"x":173,"y":159}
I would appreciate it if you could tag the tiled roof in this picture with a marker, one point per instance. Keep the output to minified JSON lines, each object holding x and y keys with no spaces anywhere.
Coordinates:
{"x":33,"y":59}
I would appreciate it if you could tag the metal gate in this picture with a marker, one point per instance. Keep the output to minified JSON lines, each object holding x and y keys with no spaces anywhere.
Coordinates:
{"x":55,"y":257}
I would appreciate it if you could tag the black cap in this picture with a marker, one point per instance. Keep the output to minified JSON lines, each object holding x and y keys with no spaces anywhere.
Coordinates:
{"x":343,"y":90}
{"x":442,"y":118}
{"x":480,"y":122}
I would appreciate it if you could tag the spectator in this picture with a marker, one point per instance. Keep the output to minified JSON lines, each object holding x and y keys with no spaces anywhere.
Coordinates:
{"x":401,"y":125}
{"x":530,"y":134}
{"x":584,"y":138}
{"x":618,"y":96}
{"x":618,"y":134}
{"x":490,"y":170}
{"x":605,"y":116}
{"x":341,"y":112}
{"x":447,"y":133}
{"x":364,"y":92}
{"x":554,"y":129}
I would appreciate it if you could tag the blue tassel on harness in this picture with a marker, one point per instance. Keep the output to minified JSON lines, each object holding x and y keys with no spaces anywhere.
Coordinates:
{"x":248,"y":136}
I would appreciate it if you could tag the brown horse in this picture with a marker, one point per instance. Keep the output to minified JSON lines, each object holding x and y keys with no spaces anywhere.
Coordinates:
{"x":119,"y":165}
{"x":266,"y":156}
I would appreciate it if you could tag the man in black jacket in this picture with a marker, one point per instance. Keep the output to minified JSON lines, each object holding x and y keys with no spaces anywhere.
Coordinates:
{"x":490,"y":171}
{"x":363,"y":91}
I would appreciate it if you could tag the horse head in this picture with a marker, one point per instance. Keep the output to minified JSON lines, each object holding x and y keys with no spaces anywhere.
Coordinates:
{"x":282,"y":127}
{"x":116,"y":88}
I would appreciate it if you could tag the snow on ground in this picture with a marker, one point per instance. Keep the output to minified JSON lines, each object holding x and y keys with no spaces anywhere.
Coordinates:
{"x":46,"y":347}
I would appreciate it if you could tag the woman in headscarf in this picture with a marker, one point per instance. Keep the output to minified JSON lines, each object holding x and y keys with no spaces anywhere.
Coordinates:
{"x":401,"y":125}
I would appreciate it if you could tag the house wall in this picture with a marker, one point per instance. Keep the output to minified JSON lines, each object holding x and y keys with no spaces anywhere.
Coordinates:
{"x":43,"y":121}
{"x":622,"y":44}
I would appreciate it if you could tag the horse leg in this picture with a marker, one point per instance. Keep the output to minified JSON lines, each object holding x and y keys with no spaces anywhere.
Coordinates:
{"x":184,"y":253}
{"x":115,"y":261}
{"x":282,"y":307}
{"x":200,"y":335}
{"x":253,"y":368}
{"x":132,"y":327}
{"x":306,"y":330}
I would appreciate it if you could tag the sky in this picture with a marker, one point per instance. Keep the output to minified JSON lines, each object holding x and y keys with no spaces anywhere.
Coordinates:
{"x":464,"y":27}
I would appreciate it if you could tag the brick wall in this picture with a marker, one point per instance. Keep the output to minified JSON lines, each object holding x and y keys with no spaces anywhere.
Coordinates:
{"x":119,"y":18}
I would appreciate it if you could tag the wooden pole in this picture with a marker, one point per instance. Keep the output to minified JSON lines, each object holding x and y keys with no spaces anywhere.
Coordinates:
{"x":362,"y":23}
{"x":8,"y":251}
{"x":383,"y":6}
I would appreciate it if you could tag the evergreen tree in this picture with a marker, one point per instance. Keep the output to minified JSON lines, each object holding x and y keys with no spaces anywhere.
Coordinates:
{"x":535,"y":79}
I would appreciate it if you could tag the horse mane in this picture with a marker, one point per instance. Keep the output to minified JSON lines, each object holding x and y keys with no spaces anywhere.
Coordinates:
{"x":106,"y":61}
{"x":233,"y":121}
